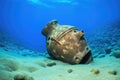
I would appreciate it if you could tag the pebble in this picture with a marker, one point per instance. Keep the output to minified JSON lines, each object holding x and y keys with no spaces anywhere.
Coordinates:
{"x":112,"y":72}
{"x":69,"y":70}
{"x":95,"y":71}
{"x":22,"y":77}
{"x":51,"y":64}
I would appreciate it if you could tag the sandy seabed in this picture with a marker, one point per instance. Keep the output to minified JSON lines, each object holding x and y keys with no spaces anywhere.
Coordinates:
{"x":43,"y":68}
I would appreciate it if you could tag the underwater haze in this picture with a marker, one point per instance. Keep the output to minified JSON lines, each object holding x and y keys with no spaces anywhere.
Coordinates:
{"x":90,"y":53}
{"x":23,"y":20}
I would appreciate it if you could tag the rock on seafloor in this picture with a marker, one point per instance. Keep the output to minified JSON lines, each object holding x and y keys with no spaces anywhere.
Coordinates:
{"x":69,"y":70}
{"x":95,"y":71}
{"x":22,"y":77}
{"x":113,"y":72}
{"x":50,"y":64}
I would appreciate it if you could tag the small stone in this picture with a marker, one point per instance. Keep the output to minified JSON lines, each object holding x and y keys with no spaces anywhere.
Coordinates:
{"x":22,"y":77}
{"x":51,"y":64}
{"x":69,"y":70}
{"x":112,"y":72}
{"x":95,"y":71}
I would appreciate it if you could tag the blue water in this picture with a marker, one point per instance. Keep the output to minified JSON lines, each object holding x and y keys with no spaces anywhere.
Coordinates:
{"x":23,"y":20}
